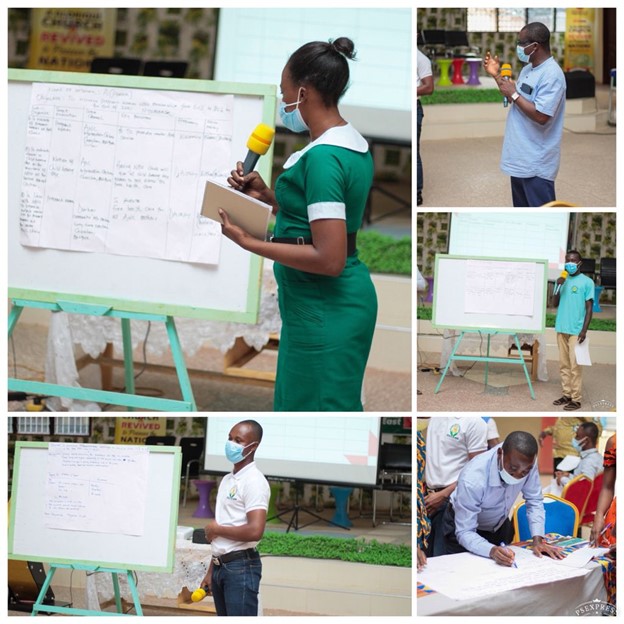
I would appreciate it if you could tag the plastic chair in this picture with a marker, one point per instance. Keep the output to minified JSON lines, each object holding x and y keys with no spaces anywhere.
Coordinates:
{"x":559,"y":204}
{"x":192,"y":449}
{"x":577,"y":491}
{"x":395,"y":474}
{"x":561,"y":517}
{"x":607,"y":273}
{"x":592,"y":501}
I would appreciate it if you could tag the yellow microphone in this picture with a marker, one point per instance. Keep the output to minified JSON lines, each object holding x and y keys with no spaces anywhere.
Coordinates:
{"x":258,"y":145}
{"x":199,"y":594}
{"x":564,"y":274}
{"x":505,"y":73}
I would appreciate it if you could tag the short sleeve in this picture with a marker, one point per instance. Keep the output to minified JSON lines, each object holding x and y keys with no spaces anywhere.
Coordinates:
{"x":549,"y":95}
{"x":257,"y":494}
{"x":589,"y":290}
{"x":476,"y":436}
{"x":325,"y":184}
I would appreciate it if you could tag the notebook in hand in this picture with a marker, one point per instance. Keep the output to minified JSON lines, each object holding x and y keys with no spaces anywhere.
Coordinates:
{"x":248,"y":213}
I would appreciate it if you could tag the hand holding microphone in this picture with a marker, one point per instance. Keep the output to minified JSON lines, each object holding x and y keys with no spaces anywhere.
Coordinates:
{"x":258,"y":145}
{"x":562,"y":278}
{"x":505,"y":75}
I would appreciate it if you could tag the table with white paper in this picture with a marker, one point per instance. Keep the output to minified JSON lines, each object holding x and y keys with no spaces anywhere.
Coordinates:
{"x":467,"y":584}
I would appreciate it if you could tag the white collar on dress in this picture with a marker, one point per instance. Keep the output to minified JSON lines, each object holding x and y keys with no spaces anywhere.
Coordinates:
{"x":340,"y":136}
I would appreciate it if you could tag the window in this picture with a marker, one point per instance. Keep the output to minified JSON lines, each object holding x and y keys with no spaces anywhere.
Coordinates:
{"x":512,"y":20}
{"x":33,"y":425}
{"x":71,"y":425}
{"x":482,"y":20}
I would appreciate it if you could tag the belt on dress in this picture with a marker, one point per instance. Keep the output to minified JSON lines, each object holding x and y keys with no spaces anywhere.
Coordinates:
{"x":303,"y":240}
{"x":249,"y":553}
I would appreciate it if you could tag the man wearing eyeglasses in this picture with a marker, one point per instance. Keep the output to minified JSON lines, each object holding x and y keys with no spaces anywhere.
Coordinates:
{"x":532,"y":144}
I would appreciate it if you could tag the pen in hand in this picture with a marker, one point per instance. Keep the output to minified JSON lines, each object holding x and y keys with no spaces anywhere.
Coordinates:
{"x":514,"y":564}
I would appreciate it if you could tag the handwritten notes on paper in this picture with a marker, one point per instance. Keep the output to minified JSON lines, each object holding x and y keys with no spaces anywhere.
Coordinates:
{"x":97,"y":488}
{"x":465,"y":576}
{"x":499,"y":287}
{"x":122,"y":171}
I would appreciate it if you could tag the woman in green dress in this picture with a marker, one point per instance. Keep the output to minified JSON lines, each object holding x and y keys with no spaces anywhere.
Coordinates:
{"x":326,"y":297}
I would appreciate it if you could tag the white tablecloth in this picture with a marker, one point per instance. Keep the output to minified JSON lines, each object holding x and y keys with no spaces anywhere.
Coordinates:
{"x":191,"y":565}
{"x":93,"y":333}
{"x":558,"y":598}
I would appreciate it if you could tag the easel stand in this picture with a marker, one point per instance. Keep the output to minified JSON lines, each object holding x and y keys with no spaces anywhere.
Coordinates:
{"x":296,"y":510}
{"x":39,"y":606}
{"x":129,"y":398}
{"x":487,"y":359}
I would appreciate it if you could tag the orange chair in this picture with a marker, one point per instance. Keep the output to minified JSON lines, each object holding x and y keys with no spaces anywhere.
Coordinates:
{"x":577,"y":491}
{"x":587,"y":517}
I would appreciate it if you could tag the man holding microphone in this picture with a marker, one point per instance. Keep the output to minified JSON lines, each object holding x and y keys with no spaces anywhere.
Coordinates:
{"x":532,"y":144}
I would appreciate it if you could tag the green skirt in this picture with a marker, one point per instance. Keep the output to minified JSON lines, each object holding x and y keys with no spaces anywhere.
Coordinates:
{"x":327,"y":331}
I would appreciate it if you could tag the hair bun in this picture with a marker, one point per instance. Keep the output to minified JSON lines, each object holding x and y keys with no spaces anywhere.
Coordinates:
{"x":344,"y":46}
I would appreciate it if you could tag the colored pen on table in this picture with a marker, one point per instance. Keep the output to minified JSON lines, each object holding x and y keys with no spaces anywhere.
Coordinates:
{"x":514,"y":564}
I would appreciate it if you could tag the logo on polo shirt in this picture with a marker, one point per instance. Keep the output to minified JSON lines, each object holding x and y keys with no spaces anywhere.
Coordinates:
{"x":574,"y":289}
{"x":232,"y":493}
{"x":454,"y":431}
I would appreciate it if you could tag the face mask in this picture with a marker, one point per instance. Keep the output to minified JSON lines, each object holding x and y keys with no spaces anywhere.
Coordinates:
{"x":506,"y":477}
{"x":234,"y":451}
{"x":577,"y":444}
{"x":571,"y":267}
{"x":524,"y":58}
{"x":293,"y":119}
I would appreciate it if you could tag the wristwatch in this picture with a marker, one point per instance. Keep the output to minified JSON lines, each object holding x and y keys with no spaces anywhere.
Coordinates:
{"x":514,"y":96}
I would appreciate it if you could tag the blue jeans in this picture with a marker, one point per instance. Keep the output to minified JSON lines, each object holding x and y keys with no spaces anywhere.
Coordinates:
{"x":419,"y":168}
{"x":235,"y":587}
{"x":532,"y":192}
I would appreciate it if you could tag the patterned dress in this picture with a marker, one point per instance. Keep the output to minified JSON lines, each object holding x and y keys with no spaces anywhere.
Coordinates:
{"x":424,"y":524}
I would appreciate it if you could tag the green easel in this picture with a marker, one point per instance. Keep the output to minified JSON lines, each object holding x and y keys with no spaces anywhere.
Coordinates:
{"x":39,"y":606}
{"x":487,"y":359}
{"x":129,"y":399}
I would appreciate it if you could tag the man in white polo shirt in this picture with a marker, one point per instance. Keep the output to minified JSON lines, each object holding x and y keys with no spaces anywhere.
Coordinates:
{"x":452,"y":441}
{"x":235,"y":569}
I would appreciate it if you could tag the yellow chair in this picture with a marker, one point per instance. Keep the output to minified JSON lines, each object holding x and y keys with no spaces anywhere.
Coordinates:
{"x":559,"y":204}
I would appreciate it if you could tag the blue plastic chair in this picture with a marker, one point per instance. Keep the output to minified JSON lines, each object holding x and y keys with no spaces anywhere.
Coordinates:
{"x":561,"y":517}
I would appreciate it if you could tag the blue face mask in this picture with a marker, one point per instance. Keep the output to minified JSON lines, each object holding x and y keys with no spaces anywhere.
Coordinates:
{"x":524,"y":58}
{"x":293,"y":119}
{"x":571,"y":267}
{"x":578,"y":446}
{"x":234,"y":451}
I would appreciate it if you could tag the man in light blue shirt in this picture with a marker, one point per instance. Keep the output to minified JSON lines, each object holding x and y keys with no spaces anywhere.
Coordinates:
{"x":532,"y":144}
{"x":477,"y":517}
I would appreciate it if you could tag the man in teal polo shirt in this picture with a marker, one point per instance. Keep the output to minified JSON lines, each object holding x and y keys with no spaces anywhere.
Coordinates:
{"x":574,"y":299}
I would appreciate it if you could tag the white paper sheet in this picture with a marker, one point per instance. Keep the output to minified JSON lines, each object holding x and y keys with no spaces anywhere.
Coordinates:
{"x":465,"y":576}
{"x":499,"y":287}
{"x":581,"y":352}
{"x":122,"y":171}
{"x":97,"y":488}
{"x":581,"y":557}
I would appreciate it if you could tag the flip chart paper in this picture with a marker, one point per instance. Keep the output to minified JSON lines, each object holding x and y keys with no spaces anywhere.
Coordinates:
{"x":498,"y":287}
{"x":96,"y":488}
{"x":465,"y":576}
{"x":122,"y":171}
